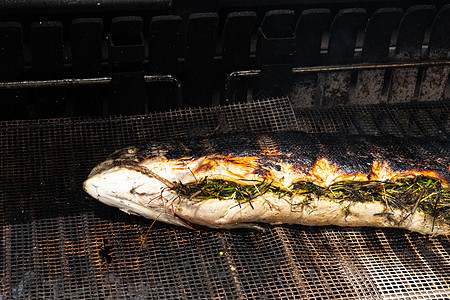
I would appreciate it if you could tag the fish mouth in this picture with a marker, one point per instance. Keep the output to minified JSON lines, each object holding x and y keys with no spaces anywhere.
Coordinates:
{"x":101,"y":167}
{"x":133,"y":192}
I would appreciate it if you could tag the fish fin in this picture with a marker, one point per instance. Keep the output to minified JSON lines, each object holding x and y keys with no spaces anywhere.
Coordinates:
{"x":178,"y":221}
{"x":128,"y":212}
{"x":184,"y":223}
{"x":251,"y":226}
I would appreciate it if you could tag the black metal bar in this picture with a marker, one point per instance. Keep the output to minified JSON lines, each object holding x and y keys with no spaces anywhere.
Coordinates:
{"x":377,"y":39}
{"x":439,"y":121}
{"x":341,"y":50}
{"x":11,"y":51}
{"x":246,"y":3}
{"x":163,"y":59}
{"x":126,"y":54}
{"x":54,"y":83}
{"x":343,"y":34}
{"x":198,"y":64}
{"x":308,"y":33}
{"x":439,"y":44}
{"x":14,"y":103}
{"x":81,"y":82}
{"x":163,"y":42}
{"x":46,"y":47}
{"x":237,"y":33}
{"x":412,"y":31}
{"x":378,"y":121}
{"x":47,"y":58}
{"x":434,"y":81}
{"x":337,"y":68}
{"x":86,"y":36}
{"x":397,"y":124}
{"x":275,"y":50}
{"x":51,"y":6}
{"x":377,"y":36}
{"x":231,"y":76}
{"x":410,"y":40}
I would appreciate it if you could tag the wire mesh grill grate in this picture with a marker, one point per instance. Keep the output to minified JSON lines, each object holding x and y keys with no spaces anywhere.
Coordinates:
{"x":56,"y":242}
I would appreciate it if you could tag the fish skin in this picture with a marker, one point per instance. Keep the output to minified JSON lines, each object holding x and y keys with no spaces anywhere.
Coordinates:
{"x":352,"y":155}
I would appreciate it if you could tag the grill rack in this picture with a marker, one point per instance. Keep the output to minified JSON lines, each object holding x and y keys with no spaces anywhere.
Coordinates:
{"x":57,"y":242}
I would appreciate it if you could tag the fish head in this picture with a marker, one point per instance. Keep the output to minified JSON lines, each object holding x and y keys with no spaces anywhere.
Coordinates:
{"x":123,"y":183}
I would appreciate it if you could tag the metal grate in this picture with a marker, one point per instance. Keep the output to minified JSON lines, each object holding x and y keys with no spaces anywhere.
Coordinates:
{"x":56,"y":242}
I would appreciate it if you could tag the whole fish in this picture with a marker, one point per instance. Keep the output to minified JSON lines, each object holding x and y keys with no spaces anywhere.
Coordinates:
{"x":237,"y":180}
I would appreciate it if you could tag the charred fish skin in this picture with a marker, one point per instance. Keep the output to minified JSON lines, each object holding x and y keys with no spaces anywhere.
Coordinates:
{"x":150,"y":174}
{"x":352,"y":154}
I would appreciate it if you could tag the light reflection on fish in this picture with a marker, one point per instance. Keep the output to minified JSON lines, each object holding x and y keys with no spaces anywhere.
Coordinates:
{"x":237,"y":180}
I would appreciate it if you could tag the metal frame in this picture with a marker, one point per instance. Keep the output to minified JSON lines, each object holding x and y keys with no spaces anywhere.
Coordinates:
{"x":333,"y":68}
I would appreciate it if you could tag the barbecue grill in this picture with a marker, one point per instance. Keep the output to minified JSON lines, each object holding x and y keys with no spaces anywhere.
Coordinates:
{"x":80,"y":79}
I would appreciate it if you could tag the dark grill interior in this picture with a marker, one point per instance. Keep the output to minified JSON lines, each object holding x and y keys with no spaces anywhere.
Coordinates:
{"x":160,"y":57}
{"x":81,"y":79}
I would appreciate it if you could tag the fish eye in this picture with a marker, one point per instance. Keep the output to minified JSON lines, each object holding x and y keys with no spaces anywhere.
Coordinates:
{"x":120,"y":152}
{"x":131,"y":150}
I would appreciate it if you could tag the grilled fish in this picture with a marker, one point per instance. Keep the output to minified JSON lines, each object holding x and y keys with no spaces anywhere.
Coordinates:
{"x":237,"y":180}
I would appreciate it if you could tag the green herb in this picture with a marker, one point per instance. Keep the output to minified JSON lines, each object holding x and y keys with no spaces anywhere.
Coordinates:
{"x":409,"y":195}
{"x":221,"y":189}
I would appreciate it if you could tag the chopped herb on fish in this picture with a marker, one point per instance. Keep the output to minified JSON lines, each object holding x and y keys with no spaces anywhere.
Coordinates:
{"x":409,"y":195}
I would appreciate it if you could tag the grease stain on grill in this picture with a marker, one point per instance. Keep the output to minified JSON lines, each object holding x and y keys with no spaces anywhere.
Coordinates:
{"x":105,"y":252}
